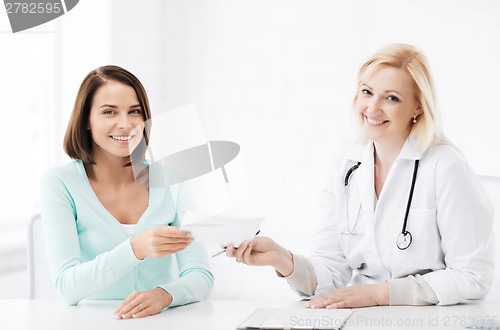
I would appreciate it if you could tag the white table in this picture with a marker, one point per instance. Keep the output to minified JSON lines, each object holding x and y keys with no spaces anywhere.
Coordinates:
{"x":96,"y":315}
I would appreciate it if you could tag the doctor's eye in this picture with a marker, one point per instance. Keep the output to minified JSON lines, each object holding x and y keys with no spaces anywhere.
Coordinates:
{"x":393,"y":98}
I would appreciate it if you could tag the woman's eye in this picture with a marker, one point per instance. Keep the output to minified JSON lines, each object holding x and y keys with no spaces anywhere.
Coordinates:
{"x":393,"y":98}
{"x":135,"y":111}
{"x":108,"y":112}
{"x":366,"y":92}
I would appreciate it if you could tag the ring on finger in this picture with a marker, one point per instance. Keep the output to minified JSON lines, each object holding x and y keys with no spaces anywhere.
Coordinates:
{"x":238,"y":260}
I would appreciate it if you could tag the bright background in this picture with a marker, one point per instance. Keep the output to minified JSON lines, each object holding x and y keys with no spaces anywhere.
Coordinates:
{"x":275,"y":76}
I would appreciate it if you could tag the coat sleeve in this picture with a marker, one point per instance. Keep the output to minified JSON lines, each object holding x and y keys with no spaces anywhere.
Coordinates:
{"x":465,"y":223}
{"x":329,"y":263}
{"x":411,"y":290}
{"x":303,"y":278}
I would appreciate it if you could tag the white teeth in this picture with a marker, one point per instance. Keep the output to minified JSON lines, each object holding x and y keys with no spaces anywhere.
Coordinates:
{"x":122,"y":138}
{"x":375,"y":122}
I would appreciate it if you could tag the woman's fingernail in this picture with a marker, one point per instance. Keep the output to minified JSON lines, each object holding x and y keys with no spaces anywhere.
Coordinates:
{"x":116,"y":316}
{"x":134,"y":316}
{"x":123,"y":316}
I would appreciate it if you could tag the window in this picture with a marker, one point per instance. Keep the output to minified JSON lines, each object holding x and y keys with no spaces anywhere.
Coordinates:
{"x":28,"y":106}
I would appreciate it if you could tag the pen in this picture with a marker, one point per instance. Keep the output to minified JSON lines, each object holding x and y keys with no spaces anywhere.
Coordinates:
{"x":224,"y":249}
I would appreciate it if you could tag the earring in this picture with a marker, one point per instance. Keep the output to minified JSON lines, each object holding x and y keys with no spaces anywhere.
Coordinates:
{"x":415,"y":119}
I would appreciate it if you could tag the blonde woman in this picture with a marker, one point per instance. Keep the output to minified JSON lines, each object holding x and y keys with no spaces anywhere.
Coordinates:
{"x":405,"y":220}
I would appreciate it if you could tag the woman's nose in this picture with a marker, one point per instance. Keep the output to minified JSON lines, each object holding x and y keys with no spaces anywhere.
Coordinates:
{"x":374,"y":104}
{"x":123,"y":122}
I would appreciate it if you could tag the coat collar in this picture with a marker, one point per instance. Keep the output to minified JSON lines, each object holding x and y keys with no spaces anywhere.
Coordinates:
{"x":410,"y":150}
{"x":364,"y":152}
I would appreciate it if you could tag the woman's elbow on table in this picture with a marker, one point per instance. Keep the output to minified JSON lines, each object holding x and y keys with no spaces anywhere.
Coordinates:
{"x":67,"y":298}
{"x":67,"y":292}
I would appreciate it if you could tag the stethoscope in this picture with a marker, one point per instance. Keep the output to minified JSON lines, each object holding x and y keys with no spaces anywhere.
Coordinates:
{"x":404,"y":238}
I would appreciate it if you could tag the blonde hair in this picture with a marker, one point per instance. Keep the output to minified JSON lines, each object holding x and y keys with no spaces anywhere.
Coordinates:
{"x":427,"y":131}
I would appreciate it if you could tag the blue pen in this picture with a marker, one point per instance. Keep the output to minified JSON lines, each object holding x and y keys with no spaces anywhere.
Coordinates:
{"x":224,"y":249}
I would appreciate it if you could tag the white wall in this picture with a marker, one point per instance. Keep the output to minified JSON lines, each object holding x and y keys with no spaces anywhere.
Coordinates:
{"x":277,"y":77}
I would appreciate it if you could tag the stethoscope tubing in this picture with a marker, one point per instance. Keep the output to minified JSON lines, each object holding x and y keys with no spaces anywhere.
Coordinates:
{"x":415,"y":170}
{"x":404,"y":233}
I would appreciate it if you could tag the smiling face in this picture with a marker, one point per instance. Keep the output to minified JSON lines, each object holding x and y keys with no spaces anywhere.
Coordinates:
{"x":386,"y":103}
{"x":116,"y":121}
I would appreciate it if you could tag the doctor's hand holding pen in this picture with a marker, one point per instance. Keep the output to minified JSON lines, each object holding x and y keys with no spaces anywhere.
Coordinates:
{"x":263,"y":251}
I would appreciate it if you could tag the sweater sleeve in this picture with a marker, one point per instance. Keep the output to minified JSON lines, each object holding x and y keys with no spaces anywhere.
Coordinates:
{"x":195,"y":281}
{"x":75,"y":279}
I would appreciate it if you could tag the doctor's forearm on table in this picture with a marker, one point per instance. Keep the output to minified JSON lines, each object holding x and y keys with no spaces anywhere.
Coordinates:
{"x":264,"y":251}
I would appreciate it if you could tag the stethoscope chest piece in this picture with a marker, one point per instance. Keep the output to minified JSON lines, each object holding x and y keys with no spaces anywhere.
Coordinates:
{"x":404,"y":240}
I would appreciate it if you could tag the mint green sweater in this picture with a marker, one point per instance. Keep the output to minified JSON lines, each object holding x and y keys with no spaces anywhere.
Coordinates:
{"x":89,"y":251}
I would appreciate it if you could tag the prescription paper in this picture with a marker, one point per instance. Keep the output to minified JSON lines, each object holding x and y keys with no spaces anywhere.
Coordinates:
{"x":221,"y":229}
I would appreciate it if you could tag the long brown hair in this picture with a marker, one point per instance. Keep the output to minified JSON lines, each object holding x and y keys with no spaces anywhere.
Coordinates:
{"x":78,"y":139}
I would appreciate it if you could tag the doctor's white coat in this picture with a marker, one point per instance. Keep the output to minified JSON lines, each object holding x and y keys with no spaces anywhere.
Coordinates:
{"x":451,"y":222}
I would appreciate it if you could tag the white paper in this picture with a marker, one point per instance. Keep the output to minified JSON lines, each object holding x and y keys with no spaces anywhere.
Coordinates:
{"x":296,"y":318}
{"x":220,"y":229}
